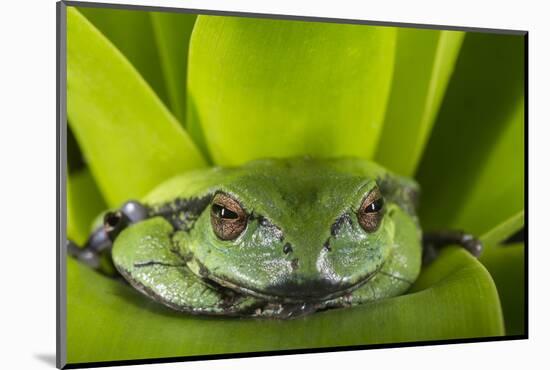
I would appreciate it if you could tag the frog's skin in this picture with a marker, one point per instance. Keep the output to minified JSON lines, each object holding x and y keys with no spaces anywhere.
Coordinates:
{"x":299,"y":245}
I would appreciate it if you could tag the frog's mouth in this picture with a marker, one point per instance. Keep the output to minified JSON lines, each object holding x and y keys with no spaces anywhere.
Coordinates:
{"x":291,"y":292}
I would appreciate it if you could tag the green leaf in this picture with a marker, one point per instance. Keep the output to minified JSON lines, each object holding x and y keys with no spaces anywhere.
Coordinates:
{"x":277,"y":88}
{"x":132,"y":33}
{"x":507,"y":267}
{"x":84,"y":203}
{"x":456,"y":293}
{"x":129,"y":138}
{"x":503,"y":231}
{"x":506,"y":263}
{"x":472,"y":174}
{"x":424,"y":62}
{"x":172,"y":33}
{"x":499,"y":189}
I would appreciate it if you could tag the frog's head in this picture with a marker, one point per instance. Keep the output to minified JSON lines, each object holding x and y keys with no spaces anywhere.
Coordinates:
{"x":292,"y":234}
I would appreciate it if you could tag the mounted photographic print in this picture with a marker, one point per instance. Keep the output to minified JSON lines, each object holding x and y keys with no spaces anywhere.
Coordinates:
{"x":239,"y":185}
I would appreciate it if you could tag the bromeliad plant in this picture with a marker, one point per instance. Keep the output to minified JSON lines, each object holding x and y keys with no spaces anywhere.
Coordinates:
{"x":153,"y":95}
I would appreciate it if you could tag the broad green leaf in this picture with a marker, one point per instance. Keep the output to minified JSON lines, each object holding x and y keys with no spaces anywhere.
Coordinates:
{"x":506,"y":263}
{"x":129,"y":138}
{"x":424,"y":62}
{"x":132,"y":33}
{"x":499,"y":189}
{"x":455,"y":298}
{"x":84,"y":203}
{"x":172,"y":33}
{"x":503,"y":231}
{"x":472,"y":171}
{"x":507,"y":267}
{"x":278,"y":88}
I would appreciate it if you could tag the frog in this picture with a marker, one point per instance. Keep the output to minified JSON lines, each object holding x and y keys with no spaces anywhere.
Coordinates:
{"x":273,"y":238}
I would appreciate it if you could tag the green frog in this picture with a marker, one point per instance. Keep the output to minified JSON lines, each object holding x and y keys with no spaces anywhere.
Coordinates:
{"x":275,"y":238}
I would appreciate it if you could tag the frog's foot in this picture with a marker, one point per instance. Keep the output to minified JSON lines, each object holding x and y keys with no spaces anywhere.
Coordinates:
{"x":96,"y":251}
{"x":434,"y":241}
{"x":146,"y":257}
{"x":91,"y":252}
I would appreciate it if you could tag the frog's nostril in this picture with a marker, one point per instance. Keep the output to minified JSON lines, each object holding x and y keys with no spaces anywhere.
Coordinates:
{"x":326,"y":245}
{"x":287,"y":248}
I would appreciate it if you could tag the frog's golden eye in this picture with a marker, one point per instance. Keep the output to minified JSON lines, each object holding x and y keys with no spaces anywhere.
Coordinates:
{"x":370,"y":212}
{"x":227,"y":216}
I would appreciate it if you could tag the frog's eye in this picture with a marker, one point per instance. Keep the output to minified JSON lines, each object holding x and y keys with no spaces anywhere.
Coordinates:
{"x":370,"y":212}
{"x":227,"y":216}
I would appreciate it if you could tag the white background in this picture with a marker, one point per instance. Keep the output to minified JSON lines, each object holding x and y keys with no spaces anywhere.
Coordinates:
{"x":27,"y":180}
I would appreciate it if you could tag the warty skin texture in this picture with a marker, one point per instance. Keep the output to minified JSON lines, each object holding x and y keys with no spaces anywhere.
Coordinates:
{"x":302,"y":248}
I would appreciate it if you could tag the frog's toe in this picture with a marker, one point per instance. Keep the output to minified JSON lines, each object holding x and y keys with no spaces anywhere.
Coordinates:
{"x":434,"y":241}
{"x":135,"y":211}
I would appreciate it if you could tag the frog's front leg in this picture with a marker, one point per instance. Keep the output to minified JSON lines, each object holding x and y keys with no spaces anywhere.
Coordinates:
{"x":434,"y":241}
{"x":147,"y":257}
{"x":96,"y":252}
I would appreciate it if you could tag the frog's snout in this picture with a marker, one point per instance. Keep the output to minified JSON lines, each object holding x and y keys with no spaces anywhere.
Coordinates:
{"x":315,"y":280}
{"x":322,"y":271}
